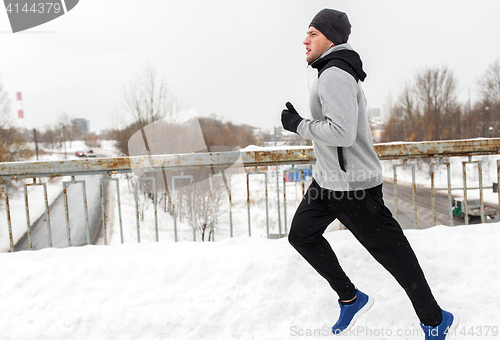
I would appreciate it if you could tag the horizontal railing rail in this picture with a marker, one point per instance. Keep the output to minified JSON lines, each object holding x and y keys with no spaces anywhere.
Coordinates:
{"x":253,"y":159}
{"x":291,"y":155}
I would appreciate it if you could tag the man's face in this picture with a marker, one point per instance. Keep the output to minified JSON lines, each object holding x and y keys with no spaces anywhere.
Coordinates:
{"x":316,"y":44}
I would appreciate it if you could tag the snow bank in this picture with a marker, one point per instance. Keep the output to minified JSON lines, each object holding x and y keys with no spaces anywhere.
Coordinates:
{"x":242,"y":288}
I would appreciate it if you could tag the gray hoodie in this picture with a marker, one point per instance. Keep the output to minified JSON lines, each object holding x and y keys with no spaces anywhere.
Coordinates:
{"x":339,"y":119}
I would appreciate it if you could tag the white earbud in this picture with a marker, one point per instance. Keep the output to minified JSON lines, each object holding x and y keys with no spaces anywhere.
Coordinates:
{"x":328,"y":47}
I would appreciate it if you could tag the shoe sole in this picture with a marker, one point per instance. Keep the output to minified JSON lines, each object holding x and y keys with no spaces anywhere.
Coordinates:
{"x":453,"y":328}
{"x":360,"y":312}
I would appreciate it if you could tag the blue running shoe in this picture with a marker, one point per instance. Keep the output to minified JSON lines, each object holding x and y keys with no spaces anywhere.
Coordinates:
{"x":444,"y":331}
{"x":350,"y":313}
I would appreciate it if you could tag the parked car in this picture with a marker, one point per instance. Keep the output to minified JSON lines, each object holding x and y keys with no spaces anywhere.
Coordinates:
{"x":473,"y":208}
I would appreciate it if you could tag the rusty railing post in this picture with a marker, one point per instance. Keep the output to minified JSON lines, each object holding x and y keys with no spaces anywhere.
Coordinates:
{"x":498,"y":183}
{"x":108,"y":178}
{"x":66,"y":208}
{"x":284,"y":193}
{"x":136,"y":197}
{"x":174,"y":206}
{"x":433,"y":194}
{"x":414,"y":186}
{"x":230,"y":206}
{"x":481,"y":199}
{"x":47,"y":214}
{"x":4,"y":189}
{"x":248,"y":200}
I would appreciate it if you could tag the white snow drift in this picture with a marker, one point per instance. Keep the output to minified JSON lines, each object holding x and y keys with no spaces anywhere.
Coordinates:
{"x":242,"y":288}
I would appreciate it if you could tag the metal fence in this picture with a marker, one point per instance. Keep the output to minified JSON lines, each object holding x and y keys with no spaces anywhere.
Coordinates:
{"x":254,"y":162}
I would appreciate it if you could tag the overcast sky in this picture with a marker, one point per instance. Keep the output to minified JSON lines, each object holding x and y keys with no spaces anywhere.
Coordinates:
{"x":241,"y":60}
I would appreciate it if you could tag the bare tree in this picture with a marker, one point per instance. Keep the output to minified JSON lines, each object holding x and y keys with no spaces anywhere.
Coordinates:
{"x":426,"y":109}
{"x":484,"y":118}
{"x":409,"y":105}
{"x":489,"y":83}
{"x":149,"y":98}
{"x":13,"y":146}
{"x":146,"y":99}
{"x":208,"y":203}
{"x":407,"y":108}
{"x":5,"y":119}
{"x":489,"y":111}
{"x":436,"y":89}
{"x":49,"y":137}
{"x":65,"y":128}
{"x":12,"y":143}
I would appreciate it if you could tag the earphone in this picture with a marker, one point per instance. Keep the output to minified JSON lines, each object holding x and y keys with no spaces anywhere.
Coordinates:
{"x":329,"y":47}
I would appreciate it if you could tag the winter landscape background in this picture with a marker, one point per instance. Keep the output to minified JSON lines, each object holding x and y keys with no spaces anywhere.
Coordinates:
{"x":239,"y":288}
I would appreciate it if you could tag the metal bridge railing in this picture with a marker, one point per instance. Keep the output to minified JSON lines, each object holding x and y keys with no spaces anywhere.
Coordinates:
{"x":252,"y":161}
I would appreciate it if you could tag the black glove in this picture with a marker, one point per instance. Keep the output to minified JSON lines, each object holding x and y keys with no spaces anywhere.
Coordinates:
{"x":290,"y":119}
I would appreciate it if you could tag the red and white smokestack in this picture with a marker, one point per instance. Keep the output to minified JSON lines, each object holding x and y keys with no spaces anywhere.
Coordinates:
{"x":20,"y":112}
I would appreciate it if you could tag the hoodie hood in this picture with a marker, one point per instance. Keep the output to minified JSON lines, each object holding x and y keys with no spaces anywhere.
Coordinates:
{"x":343,"y":57}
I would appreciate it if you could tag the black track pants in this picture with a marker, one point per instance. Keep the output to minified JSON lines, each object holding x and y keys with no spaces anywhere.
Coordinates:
{"x":364,"y":213}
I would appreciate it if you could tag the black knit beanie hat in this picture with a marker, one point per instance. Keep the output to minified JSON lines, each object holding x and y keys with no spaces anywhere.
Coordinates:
{"x":333,"y":24}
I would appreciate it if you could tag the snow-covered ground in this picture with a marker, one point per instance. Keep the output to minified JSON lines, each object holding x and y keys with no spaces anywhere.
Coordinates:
{"x":241,"y":288}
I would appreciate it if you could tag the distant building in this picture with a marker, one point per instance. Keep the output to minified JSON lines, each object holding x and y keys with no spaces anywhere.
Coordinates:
{"x":375,"y":116}
{"x":283,"y":137}
{"x":81,"y":124}
{"x":377,"y":135}
{"x":376,"y":123}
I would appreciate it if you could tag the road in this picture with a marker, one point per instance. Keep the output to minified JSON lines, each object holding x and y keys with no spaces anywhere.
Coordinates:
{"x":424,"y":206}
{"x":76,"y":217}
